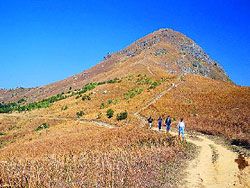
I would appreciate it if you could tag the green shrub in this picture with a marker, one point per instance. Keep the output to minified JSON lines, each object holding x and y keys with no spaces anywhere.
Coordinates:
{"x":110,"y":113}
{"x":102,"y":106}
{"x":122,"y":116}
{"x":7,"y":108}
{"x":88,"y":87}
{"x":79,"y":114}
{"x":41,"y":127}
{"x":110,"y":101}
{"x":154,"y":84}
{"x":133,"y":92}
{"x":142,"y":80}
{"x":101,"y":83}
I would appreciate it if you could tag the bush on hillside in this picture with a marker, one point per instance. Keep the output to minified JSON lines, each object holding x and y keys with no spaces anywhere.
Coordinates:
{"x":80,"y":114}
{"x":7,"y":108}
{"x":110,"y":101}
{"x":154,"y":85}
{"x":102,"y":106}
{"x":122,"y":116}
{"x":110,"y":113}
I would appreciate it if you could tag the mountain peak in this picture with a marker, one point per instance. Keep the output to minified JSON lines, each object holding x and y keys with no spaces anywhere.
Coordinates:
{"x":177,"y":52}
{"x":164,"y":51}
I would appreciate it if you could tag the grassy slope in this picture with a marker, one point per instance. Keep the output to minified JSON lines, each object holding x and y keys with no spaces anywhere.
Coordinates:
{"x":76,"y":154}
{"x":209,"y":106}
{"x":84,"y":152}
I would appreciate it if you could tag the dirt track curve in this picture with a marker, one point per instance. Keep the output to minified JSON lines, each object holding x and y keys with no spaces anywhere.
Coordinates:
{"x":215,"y":165}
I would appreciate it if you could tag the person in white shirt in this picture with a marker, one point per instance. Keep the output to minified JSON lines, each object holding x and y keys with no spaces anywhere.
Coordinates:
{"x":181,"y":129}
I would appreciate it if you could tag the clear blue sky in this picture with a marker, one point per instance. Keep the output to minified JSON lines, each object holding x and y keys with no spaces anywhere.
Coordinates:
{"x":42,"y":41}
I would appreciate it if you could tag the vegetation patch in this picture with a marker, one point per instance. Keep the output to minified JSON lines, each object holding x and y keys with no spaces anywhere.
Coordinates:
{"x":87,"y":87}
{"x":42,"y":127}
{"x":80,"y":114}
{"x":154,"y":84}
{"x":132,"y":93}
{"x":122,"y":116}
{"x":102,"y":106}
{"x":110,"y":113}
{"x":144,"y":80}
{"x":109,"y":102}
{"x":45,"y":103}
{"x":6,"y":108}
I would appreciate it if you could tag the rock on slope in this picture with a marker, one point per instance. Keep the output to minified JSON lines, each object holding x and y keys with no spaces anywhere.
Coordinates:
{"x":164,"y":50}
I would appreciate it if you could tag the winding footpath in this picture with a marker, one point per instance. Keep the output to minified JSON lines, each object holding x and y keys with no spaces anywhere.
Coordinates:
{"x":214,"y":166}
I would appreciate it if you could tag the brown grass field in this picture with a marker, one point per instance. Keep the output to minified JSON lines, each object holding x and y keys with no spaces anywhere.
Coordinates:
{"x":75,"y":152}
{"x":210,"y":107}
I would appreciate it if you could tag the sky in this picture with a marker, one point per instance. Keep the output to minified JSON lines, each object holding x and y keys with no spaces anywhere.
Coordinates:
{"x":43,"y":41}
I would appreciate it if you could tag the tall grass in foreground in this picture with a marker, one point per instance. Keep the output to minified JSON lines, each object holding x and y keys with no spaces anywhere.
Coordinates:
{"x":147,"y":167}
{"x":137,"y":160}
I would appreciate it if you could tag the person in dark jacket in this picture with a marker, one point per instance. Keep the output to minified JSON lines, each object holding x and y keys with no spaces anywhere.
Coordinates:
{"x":150,"y":122}
{"x":168,"y":123}
{"x":159,"y":123}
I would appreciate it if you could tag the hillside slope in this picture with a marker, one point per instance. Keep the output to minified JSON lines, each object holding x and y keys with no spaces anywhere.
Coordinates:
{"x":165,"y":49}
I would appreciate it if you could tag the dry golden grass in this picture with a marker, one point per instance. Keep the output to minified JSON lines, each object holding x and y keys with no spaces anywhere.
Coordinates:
{"x":73,"y":154}
{"x":209,"y":106}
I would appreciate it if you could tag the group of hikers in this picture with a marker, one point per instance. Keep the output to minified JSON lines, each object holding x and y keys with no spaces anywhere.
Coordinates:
{"x":168,"y":121}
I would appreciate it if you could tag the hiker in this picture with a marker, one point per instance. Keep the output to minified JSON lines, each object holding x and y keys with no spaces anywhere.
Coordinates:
{"x":181,"y":129}
{"x":159,"y":123}
{"x":150,"y":122}
{"x":168,"y":123}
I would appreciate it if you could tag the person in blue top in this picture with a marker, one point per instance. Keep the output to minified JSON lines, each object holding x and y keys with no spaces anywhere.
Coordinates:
{"x":159,"y":123}
{"x":168,"y":123}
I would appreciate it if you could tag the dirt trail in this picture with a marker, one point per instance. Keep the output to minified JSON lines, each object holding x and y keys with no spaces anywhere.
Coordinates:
{"x":215,"y":165}
{"x":96,"y":122}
